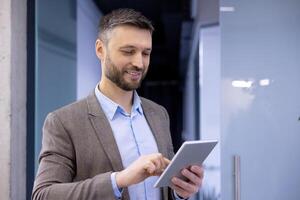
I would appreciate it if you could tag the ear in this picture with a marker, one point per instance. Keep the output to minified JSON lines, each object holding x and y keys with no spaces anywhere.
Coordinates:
{"x":100,"y":49}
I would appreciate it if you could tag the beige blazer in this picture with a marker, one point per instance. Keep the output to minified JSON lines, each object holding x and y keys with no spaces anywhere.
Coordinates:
{"x":79,"y":151}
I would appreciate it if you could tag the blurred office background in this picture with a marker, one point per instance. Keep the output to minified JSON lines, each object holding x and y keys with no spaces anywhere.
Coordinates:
{"x":225,"y":70}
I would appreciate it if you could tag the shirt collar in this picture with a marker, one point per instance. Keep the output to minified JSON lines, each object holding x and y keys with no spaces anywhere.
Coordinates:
{"x":110,"y":107}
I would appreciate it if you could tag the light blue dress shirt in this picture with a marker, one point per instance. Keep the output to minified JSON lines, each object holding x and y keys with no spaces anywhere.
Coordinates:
{"x":134,"y":138}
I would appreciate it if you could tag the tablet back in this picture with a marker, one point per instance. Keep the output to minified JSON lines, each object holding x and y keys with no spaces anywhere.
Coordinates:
{"x":190,"y":153}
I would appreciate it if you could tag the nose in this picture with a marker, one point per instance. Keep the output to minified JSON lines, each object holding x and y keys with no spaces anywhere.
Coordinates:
{"x":138,"y":61}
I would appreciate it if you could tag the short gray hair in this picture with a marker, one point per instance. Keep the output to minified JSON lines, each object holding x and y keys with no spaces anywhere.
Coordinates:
{"x":123,"y":16}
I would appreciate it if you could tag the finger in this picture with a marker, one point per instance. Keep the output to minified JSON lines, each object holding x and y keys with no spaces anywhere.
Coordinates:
{"x":193,"y":178}
{"x":157,"y":162}
{"x":188,"y":187}
{"x":150,"y":167}
{"x":166,"y":161}
{"x":162,"y":162}
{"x":197,"y":170}
{"x":180,"y":192}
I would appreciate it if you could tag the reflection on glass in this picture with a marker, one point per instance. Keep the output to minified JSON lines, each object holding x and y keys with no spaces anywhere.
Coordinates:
{"x":242,"y":84}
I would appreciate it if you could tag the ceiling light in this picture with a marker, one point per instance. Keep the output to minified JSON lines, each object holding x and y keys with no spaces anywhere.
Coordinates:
{"x":227,"y":9}
{"x":241,"y":84}
{"x":264,"y":82}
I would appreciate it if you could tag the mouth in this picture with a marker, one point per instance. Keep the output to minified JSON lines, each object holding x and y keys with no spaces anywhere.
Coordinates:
{"x":134,"y":75}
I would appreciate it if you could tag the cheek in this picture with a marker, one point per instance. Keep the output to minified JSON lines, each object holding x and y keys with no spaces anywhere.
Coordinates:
{"x":120,"y":61}
{"x":146,"y":62}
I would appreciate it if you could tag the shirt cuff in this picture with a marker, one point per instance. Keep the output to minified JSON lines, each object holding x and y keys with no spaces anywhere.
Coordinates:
{"x":176,"y":196}
{"x":117,"y":191}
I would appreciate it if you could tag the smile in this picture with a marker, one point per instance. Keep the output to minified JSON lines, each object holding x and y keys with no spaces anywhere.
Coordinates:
{"x":134,"y":74}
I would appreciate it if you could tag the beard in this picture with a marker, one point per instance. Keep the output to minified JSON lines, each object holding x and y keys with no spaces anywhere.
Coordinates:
{"x":116,"y":75}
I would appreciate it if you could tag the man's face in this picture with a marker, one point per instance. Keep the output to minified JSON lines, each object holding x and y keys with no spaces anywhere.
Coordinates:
{"x":126,"y":56}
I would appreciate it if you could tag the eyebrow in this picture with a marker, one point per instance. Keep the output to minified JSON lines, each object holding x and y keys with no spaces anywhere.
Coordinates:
{"x":133,"y":47}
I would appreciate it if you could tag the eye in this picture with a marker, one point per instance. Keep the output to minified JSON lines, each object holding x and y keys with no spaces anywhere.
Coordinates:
{"x":146,"y":53}
{"x":128,"y":52}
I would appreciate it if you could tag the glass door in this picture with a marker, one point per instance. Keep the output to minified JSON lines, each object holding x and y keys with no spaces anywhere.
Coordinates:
{"x":210,"y":92}
{"x":260,"y":109}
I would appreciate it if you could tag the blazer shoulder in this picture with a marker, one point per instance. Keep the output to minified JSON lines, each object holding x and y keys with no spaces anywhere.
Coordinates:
{"x":151,"y":105}
{"x":76,"y":108}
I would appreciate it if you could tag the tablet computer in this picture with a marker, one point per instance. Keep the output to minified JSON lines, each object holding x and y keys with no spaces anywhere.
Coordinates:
{"x":190,"y":153}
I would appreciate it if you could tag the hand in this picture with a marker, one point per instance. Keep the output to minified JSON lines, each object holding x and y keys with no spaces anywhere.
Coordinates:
{"x":142,"y":168}
{"x":186,"y":189}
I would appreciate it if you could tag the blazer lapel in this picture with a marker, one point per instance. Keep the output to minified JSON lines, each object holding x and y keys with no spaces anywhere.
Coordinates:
{"x":107,"y":140}
{"x":155,"y":126}
{"x":104,"y":132}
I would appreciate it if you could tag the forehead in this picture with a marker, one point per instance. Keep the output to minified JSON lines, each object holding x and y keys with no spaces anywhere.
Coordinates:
{"x":126,"y":35}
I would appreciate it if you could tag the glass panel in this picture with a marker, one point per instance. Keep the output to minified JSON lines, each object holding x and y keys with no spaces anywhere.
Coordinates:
{"x":55,"y":70}
{"x":209,"y":79}
{"x":88,"y":64}
{"x":260,"y":98}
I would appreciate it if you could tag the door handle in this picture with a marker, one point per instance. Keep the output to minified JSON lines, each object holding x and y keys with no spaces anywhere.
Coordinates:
{"x":237,"y":177}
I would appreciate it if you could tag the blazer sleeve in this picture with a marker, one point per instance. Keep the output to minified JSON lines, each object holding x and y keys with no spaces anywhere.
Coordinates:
{"x":170,"y":143}
{"x":169,"y":191}
{"x":57,"y":169}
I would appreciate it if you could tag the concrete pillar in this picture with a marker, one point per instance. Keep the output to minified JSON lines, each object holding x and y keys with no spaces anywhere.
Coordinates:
{"x":13,"y":99}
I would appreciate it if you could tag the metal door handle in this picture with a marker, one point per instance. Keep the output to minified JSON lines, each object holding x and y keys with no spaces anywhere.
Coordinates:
{"x":237,"y":177}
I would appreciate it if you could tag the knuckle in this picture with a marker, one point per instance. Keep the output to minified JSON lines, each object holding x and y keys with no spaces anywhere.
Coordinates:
{"x":195,"y":189}
{"x":185,"y":195}
{"x":195,"y":180}
{"x":191,"y":188}
{"x":186,"y":185}
{"x":198,"y":182}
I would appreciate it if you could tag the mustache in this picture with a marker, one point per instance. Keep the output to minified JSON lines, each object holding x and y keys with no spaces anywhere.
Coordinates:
{"x":134,"y":68}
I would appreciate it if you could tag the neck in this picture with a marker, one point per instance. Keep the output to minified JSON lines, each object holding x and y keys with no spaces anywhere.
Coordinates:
{"x":116,"y":94}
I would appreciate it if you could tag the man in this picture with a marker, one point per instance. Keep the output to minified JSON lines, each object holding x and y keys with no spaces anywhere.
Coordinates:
{"x":112,"y":144}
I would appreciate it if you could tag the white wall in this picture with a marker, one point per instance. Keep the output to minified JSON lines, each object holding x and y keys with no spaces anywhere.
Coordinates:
{"x":13,"y":99}
{"x":5,"y":97}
